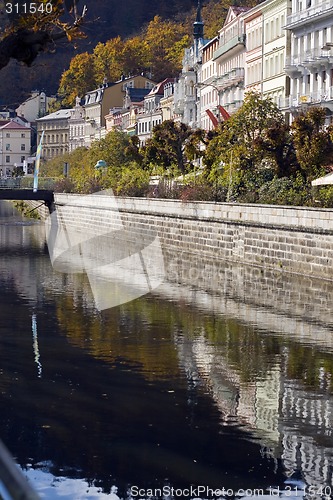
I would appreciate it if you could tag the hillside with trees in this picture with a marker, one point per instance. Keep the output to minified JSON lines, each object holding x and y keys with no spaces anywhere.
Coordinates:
{"x":109,"y":24}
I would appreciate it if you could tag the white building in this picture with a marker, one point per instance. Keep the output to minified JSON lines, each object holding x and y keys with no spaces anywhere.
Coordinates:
{"x":230,"y":58}
{"x":36,"y":106}
{"x":151,"y":114}
{"x":253,"y":67}
{"x":310,"y":64}
{"x":276,"y":47}
{"x":185,"y":89}
{"x":76,"y":125}
{"x":14,"y":146}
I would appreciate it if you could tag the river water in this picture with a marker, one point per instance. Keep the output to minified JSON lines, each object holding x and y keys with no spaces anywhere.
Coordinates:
{"x":201,"y":385}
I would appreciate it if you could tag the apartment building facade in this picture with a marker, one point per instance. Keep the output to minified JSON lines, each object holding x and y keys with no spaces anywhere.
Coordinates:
{"x":15,"y":142}
{"x":230,"y":58}
{"x":207,"y":91}
{"x":310,"y":63}
{"x":56,"y":133}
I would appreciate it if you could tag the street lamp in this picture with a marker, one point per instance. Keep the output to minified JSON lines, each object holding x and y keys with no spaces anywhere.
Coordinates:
{"x":214,"y":119}
{"x":101,"y":164}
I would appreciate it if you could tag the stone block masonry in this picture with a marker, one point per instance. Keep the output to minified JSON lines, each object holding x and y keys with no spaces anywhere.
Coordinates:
{"x":291,"y":239}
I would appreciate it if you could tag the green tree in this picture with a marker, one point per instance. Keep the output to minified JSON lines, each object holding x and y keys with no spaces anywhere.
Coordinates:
{"x":172,"y":145}
{"x":312,"y":141}
{"x":243,"y":151}
{"x":277,"y":145}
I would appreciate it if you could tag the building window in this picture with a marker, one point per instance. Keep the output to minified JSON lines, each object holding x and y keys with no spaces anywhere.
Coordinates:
{"x":7,"y":159}
{"x":7,"y":147}
{"x":8,"y":134}
{"x":22,"y":159}
{"x":22,"y":147}
{"x":23,"y":135}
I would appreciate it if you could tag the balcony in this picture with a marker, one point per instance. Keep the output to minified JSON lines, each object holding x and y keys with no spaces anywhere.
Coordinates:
{"x":311,"y":59}
{"x":234,"y":77}
{"x":316,"y":98}
{"x":234,"y":42}
{"x":309,"y":15}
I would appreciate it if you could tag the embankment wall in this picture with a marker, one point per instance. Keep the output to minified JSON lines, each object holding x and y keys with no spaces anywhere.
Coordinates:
{"x":288,"y":239}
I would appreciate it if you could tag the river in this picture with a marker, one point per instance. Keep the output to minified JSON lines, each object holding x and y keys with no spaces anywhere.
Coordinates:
{"x":187,"y":390}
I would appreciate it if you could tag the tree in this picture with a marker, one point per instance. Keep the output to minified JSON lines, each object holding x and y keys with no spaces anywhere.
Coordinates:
{"x":134,"y":56}
{"x":78,"y":79}
{"x":30,"y":28}
{"x":245,"y":149}
{"x":277,"y":145}
{"x":161,"y":38}
{"x":172,"y":145}
{"x":313,"y":142}
{"x":107,"y":60}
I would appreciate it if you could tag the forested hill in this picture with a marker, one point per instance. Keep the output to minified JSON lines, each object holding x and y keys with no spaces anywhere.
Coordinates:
{"x":105,"y":19}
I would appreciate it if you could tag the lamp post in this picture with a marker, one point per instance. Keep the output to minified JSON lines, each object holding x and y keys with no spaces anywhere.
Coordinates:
{"x":202,"y":85}
{"x":100,"y":168}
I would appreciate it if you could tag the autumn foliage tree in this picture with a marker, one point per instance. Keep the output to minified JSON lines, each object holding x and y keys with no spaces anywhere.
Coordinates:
{"x":158,"y":51}
{"x":29,"y":28}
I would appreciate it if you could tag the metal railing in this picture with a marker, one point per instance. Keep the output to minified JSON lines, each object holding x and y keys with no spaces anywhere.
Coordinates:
{"x":27,"y":183}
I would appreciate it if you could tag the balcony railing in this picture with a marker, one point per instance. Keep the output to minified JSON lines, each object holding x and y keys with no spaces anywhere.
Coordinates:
{"x":316,"y":97}
{"x":236,"y":40}
{"x":235,"y":75}
{"x":309,"y":58}
{"x":308,"y":14}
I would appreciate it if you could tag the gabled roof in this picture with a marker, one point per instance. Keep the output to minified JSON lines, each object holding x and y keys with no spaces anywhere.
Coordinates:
{"x":13,"y":126}
{"x":233,"y":12}
{"x":159,"y":88}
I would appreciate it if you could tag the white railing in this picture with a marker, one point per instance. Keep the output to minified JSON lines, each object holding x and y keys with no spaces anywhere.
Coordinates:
{"x":308,"y":57}
{"x":316,"y":97}
{"x":316,"y":11}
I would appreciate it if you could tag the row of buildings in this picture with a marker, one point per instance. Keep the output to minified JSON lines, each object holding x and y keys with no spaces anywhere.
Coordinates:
{"x":279,"y":48}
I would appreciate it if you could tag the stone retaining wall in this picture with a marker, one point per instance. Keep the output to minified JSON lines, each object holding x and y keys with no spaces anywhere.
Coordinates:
{"x":292,"y":239}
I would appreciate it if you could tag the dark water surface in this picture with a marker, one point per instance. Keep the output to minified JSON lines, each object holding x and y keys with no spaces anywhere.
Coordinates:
{"x":227,"y":387}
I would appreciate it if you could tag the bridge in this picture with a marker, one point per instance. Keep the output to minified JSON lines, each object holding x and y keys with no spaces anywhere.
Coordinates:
{"x":22,"y":189}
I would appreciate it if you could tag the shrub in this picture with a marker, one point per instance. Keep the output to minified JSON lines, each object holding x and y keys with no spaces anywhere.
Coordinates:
{"x":285,"y":191}
{"x":324,"y":196}
{"x":134,"y":181}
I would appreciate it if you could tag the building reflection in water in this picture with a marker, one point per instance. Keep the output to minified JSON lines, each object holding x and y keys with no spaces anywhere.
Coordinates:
{"x":260,"y":343}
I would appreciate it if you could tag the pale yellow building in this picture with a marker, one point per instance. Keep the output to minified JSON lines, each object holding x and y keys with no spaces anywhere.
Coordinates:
{"x":56,"y":133}
{"x":14,"y":146}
